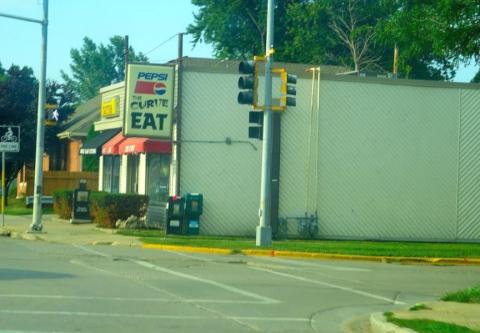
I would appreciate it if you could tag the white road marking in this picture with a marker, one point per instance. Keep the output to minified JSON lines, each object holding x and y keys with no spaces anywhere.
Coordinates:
{"x":330,"y":285}
{"x":177,"y":297}
{"x":313,"y":264}
{"x":263,"y":299}
{"x":127,"y":299}
{"x":17,"y":331}
{"x":86,"y":249}
{"x":146,"y":316}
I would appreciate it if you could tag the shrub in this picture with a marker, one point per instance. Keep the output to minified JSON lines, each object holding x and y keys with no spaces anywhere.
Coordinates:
{"x":62,"y":203}
{"x":107,"y":208}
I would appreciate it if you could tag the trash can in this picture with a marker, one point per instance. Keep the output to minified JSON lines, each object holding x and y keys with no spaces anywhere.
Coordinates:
{"x":175,"y":215}
{"x":193,"y":210}
{"x":81,"y":204}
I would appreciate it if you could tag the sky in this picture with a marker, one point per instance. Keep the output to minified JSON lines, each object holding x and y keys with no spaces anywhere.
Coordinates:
{"x":148,"y":23}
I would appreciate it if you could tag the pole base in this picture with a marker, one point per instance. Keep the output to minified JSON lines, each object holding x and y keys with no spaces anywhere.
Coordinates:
{"x":36,"y":228}
{"x":264,"y":236}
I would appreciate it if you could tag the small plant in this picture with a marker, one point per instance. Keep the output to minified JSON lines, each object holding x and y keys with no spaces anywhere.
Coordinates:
{"x":107,"y":208}
{"x":469,"y":295}
{"x":418,"y":307}
{"x":62,"y":203}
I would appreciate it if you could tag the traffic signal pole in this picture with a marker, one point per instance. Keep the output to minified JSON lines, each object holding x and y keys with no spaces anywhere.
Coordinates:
{"x":264,"y":230}
{"x":36,"y":225}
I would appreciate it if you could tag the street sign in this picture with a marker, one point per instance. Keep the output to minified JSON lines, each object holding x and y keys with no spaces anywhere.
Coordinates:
{"x":9,"y":139}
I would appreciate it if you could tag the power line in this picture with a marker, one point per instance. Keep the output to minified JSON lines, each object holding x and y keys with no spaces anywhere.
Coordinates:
{"x":161,"y":44}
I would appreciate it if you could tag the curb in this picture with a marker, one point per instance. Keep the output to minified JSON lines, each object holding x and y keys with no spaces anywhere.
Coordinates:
{"x":378,"y":324}
{"x":310,"y":255}
{"x":191,"y":249}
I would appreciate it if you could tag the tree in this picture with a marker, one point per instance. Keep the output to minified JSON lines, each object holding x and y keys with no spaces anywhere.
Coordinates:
{"x":90,"y":162}
{"x":332,"y":32}
{"x":357,"y":33}
{"x":95,"y":66}
{"x":237,"y":29}
{"x":18,"y":98}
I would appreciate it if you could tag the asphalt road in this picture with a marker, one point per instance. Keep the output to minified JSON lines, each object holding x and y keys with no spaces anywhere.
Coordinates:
{"x":46,"y":287}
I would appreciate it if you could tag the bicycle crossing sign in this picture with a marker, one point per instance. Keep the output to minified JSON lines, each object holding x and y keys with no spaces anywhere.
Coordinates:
{"x":9,"y":139}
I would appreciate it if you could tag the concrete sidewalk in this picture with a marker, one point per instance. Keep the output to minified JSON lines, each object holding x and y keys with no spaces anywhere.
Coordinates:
{"x":61,"y":231}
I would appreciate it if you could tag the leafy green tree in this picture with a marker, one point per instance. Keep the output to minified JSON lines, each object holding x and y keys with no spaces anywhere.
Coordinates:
{"x":332,"y":32}
{"x":18,"y":98}
{"x":414,"y":27}
{"x":95,"y":66}
{"x":90,"y":162}
{"x":236,"y":29}
{"x":432,"y":36}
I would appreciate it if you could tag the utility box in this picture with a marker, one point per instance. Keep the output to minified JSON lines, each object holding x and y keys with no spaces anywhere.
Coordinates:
{"x":175,"y":215}
{"x":81,"y":204}
{"x":193,"y":210}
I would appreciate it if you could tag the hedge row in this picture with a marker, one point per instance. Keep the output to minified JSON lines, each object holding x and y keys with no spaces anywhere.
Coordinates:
{"x":105,"y":208}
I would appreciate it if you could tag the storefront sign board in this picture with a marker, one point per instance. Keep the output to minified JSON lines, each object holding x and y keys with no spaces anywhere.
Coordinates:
{"x":149,"y":101}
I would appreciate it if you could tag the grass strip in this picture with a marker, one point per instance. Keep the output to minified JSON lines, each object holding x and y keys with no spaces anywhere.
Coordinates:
{"x":17,"y":207}
{"x":468,"y":295}
{"x":428,"y":326}
{"x":365,"y":248}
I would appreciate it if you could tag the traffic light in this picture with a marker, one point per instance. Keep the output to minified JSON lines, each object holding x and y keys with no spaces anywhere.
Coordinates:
{"x":51,"y":114}
{"x":288,"y":89}
{"x":248,"y":83}
{"x":255,"y":118}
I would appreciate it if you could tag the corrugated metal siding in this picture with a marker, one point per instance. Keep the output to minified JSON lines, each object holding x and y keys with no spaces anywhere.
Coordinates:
{"x":384,"y":164}
{"x":469,"y":167}
{"x":377,"y":161}
{"x":228,"y":175}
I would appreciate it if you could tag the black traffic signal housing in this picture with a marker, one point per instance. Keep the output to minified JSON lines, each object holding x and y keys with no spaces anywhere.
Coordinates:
{"x":288,"y":89}
{"x":255,"y":118}
{"x":248,"y":83}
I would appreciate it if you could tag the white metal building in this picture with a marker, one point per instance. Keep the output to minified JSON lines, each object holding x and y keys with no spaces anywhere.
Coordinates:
{"x":375,"y":158}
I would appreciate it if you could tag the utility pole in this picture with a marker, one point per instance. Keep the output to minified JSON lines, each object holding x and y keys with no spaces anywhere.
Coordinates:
{"x":264,"y":230}
{"x":178,"y":119}
{"x":36,"y":225}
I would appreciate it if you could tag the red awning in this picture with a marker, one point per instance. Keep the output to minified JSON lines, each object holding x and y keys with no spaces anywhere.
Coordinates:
{"x":111,"y":147}
{"x":144,"y":145}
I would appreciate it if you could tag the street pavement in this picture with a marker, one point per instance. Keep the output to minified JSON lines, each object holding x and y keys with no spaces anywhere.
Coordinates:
{"x":76,"y":287}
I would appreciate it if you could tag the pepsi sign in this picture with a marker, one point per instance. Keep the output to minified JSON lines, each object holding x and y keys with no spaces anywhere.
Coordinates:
{"x":149,"y":101}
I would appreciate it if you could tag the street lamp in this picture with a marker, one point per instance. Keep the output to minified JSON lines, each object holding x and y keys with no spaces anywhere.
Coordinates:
{"x":36,"y":225}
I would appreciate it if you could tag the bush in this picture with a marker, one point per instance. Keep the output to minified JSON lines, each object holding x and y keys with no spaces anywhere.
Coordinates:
{"x":107,"y":208}
{"x":62,"y":203}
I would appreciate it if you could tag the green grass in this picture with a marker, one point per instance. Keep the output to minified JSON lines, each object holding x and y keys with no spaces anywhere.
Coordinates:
{"x":428,"y":326}
{"x":469,"y":295}
{"x":17,"y":207}
{"x":418,"y":307}
{"x":369,"y":248}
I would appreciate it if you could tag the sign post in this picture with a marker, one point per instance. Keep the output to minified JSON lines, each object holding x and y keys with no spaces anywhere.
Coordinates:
{"x":9,"y":142}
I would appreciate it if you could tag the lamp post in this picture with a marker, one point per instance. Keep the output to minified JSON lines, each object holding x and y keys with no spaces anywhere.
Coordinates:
{"x":36,"y":225}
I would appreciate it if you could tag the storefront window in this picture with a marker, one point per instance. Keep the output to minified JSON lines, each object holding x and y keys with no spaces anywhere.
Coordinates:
{"x":111,"y":173}
{"x":132,"y":173}
{"x":158,"y":173}
{"x":107,"y":173}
